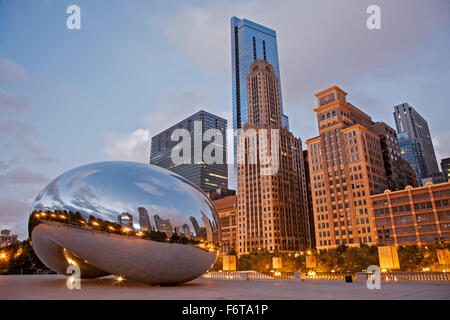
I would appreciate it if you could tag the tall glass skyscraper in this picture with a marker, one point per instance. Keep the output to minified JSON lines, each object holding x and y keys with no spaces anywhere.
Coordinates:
{"x":250,"y":42}
{"x":415,"y":141}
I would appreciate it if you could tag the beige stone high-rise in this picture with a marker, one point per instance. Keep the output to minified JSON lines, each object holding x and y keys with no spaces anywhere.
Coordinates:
{"x":272,"y":200}
{"x":352,"y":159}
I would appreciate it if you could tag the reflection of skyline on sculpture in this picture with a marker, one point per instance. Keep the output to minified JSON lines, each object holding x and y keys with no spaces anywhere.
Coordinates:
{"x":111,"y":190}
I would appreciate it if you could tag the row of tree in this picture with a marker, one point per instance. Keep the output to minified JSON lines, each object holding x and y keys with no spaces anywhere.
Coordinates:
{"x":19,"y":258}
{"x":340,"y":259}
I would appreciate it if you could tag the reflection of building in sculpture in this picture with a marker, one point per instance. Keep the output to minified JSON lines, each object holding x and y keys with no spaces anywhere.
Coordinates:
{"x":200,"y":232}
{"x":144,"y":220}
{"x":6,"y":238}
{"x":412,"y":216}
{"x":227,"y":210}
{"x":272,"y":200}
{"x":163,"y":226}
{"x":208,"y":227}
{"x":125,"y":219}
{"x":186,"y":231}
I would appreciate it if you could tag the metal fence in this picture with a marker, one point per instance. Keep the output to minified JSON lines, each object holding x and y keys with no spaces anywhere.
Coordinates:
{"x":397,"y":276}
{"x":392,"y":276}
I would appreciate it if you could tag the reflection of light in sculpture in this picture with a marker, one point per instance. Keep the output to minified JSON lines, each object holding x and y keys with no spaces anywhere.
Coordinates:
{"x":89,"y":217}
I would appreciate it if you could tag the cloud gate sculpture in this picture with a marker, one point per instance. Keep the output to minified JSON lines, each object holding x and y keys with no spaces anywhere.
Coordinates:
{"x":133,"y":220}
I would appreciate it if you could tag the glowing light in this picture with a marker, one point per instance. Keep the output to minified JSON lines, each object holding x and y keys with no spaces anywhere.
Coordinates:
{"x":333,"y":271}
{"x":111,"y":228}
{"x":2,"y":256}
{"x":43,"y":214}
{"x":426,"y":269}
{"x":83,"y":222}
{"x":37,"y":215}
{"x":53,"y":215}
{"x":95,"y":223}
{"x":309,"y":252}
{"x":311,"y":273}
{"x":278,"y":273}
{"x":62,"y":216}
{"x":125,"y":229}
{"x":139,"y":234}
{"x":18,"y":253}
{"x":119,"y":279}
{"x":71,"y":261}
{"x":383,"y":270}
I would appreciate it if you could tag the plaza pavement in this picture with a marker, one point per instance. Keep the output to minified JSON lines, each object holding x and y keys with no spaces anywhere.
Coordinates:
{"x":53,"y":287}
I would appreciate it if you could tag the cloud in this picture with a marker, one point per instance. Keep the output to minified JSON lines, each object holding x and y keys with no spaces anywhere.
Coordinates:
{"x":20,"y":138}
{"x":442,"y":146}
{"x":174,"y":108}
{"x":324,"y":43}
{"x":21,"y":176}
{"x":133,"y":146}
{"x":14,"y":215}
{"x":9,"y":102}
{"x":10,"y":72}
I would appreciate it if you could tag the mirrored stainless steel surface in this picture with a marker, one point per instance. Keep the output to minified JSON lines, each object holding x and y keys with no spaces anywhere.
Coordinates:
{"x":134,"y":220}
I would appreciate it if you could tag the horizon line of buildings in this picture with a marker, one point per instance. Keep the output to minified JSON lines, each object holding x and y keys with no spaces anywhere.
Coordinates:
{"x":319,"y":197}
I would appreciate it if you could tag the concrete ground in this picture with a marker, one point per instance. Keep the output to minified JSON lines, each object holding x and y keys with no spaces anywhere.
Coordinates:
{"x":53,"y":287}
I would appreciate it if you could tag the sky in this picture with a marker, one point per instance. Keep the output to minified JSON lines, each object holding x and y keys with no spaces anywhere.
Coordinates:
{"x":71,"y":97}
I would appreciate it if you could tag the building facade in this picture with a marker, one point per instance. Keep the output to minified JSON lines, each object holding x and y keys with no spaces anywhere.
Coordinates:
{"x":346,"y":167}
{"x":203,"y":129}
{"x":226,"y":208}
{"x":271,"y":186}
{"x":416,"y":144}
{"x":309,"y":199}
{"x":410,"y":174}
{"x":397,"y":178}
{"x":413,"y":216}
{"x":6,"y":238}
{"x":445,"y":167}
{"x":250,"y":42}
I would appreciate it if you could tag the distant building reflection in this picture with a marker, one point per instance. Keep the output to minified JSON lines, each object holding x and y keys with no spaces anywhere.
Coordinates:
{"x":163,"y":226}
{"x":144,"y":220}
{"x":126,"y":220}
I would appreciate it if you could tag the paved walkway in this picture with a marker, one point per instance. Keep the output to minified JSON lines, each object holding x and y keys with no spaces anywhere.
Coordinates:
{"x":53,"y":287}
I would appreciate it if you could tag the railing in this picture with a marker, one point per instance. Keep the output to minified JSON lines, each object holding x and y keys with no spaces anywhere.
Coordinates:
{"x":329,"y":275}
{"x":393,"y":276}
{"x":397,"y":276}
{"x":240,"y":275}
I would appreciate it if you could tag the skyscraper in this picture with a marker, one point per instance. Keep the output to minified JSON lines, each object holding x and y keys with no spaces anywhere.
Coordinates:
{"x":346,"y":166}
{"x":418,"y":144}
{"x":203,"y":128}
{"x":271,"y":186}
{"x":250,"y":42}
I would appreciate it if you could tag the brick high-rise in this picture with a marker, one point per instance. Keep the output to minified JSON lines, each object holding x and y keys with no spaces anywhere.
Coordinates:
{"x":272,"y":196}
{"x":351,"y":159}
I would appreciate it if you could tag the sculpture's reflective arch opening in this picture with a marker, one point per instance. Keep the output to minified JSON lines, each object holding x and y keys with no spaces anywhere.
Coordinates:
{"x":133,"y":220}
